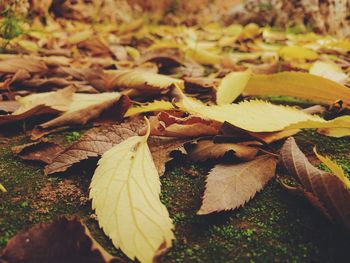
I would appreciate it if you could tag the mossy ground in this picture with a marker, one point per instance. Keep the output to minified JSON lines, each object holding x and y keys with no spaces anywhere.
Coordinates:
{"x":275,"y":226}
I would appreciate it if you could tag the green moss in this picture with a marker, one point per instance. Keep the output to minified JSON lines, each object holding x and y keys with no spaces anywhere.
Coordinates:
{"x":274,"y":226}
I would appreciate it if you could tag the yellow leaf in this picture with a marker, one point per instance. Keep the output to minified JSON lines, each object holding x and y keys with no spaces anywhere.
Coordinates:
{"x":2,"y":188}
{"x":203,"y":56}
{"x":260,"y":116}
{"x":80,"y":36}
{"x":334,"y":167}
{"x":329,"y":71}
{"x":231,"y":86}
{"x":152,"y":106}
{"x":133,"y":52}
{"x":298,"y":84}
{"x":290,"y":53}
{"x":125,"y":192}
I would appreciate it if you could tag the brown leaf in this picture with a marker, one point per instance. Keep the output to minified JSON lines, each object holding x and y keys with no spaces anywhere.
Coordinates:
{"x":165,"y":124}
{"x":43,"y":150}
{"x":161,"y":148}
{"x":63,"y":240}
{"x":230,"y":186}
{"x":325,"y":186}
{"x":9,"y":106}
{"x":19,"y":76}
{"x":113,"y":108}
{"x":31,"y":65}
{"x":200,"y":85}
{"x":39,"y":104}
{"x":93,"y":144}
{"x":165,"y":57}
{"x":207,"y":149}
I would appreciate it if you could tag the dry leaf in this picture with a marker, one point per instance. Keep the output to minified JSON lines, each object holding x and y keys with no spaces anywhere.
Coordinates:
{"x":207,"y":149}
{"x":155,"y":106}
{"x":165,"y":124}
{"x":38,"y":104}
{"x":142,"y":81}
{"x":31,"y":65}
{"x":43,"y":150}
{"x":334,"y":167}
{"x":231,"y":86}
{"x":260,"y":116}
{"x":328,"y":188}
{"x":93,"y":144}
{"x":230,"y":186}
{"x":85,"y":108}
{"x":125,"y":192}
{"x":290,"y":53}
{"x":161,"y":148}
{"x":63,"y":240}
{"x":298,"y":84}
{"x":329,"y":71}
{"x":9,"y":106}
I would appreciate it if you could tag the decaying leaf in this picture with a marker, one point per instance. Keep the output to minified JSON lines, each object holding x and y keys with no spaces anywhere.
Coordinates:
{"x":125,"y":192}
{"x":231,"y":86}
{"x":7,"y":107}
{"x":328,"y":188}
{"x":84,"y":108}
{"x":165,"y":124}
{"x":230,"y":186}
{"x":142,"y":81}
{"x":43,"y":150}
{"x":207,"y":149}
{"x":161,"y":148}
{"x":31,"y":65}
{"x":53,"y":102}
{"x":298,"y":84}
{"x":93,"y":144}
{"x":63,"y":240}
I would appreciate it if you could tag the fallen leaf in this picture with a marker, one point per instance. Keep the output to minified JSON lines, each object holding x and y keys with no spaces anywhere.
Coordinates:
{"x":93,"y":144}
{"x":260,"y":116}
{"x":329,"y":71}
{"x":2,"y":188}
{"x":125,"y":192}
{"x":43,"y":150}
{"x":299,"y":85}
{"x":63,"y":240}
{"x":161,"y":149}
{"x":53,"y":102}
{"x":290,"y":53}
{"x":231,"y":86}
{"x":85,"y":108}
{"x":142,"y":81}
{"x":334,"y":167}
{"x":328,"y":188}
{"x":165,"y":124}
{"x":9,"y":106}
{"x":229,"y":186}
{"x":203,"y":150}
{"x":203,"y":56}
{"x":155,"y":106}
{"x":201,"y":84}
{"x":31,"y":65}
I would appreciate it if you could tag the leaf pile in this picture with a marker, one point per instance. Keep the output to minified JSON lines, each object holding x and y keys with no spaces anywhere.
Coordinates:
{"x":150,"y":89}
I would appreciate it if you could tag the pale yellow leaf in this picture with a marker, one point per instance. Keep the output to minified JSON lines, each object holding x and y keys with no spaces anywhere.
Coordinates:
{"x":334,"y":167}
{"x":203,"y":56}
{"x":261,"y":116}
{"x":125,"y":192}
{"x":158,"y":105}
{"x":329,"y":71}
{"x":231,"y":86}
{"x":80,"y":36}
{"x":298,"y":84}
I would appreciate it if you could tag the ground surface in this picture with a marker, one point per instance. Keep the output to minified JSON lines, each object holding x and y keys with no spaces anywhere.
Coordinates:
{"x":274,"y":227}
